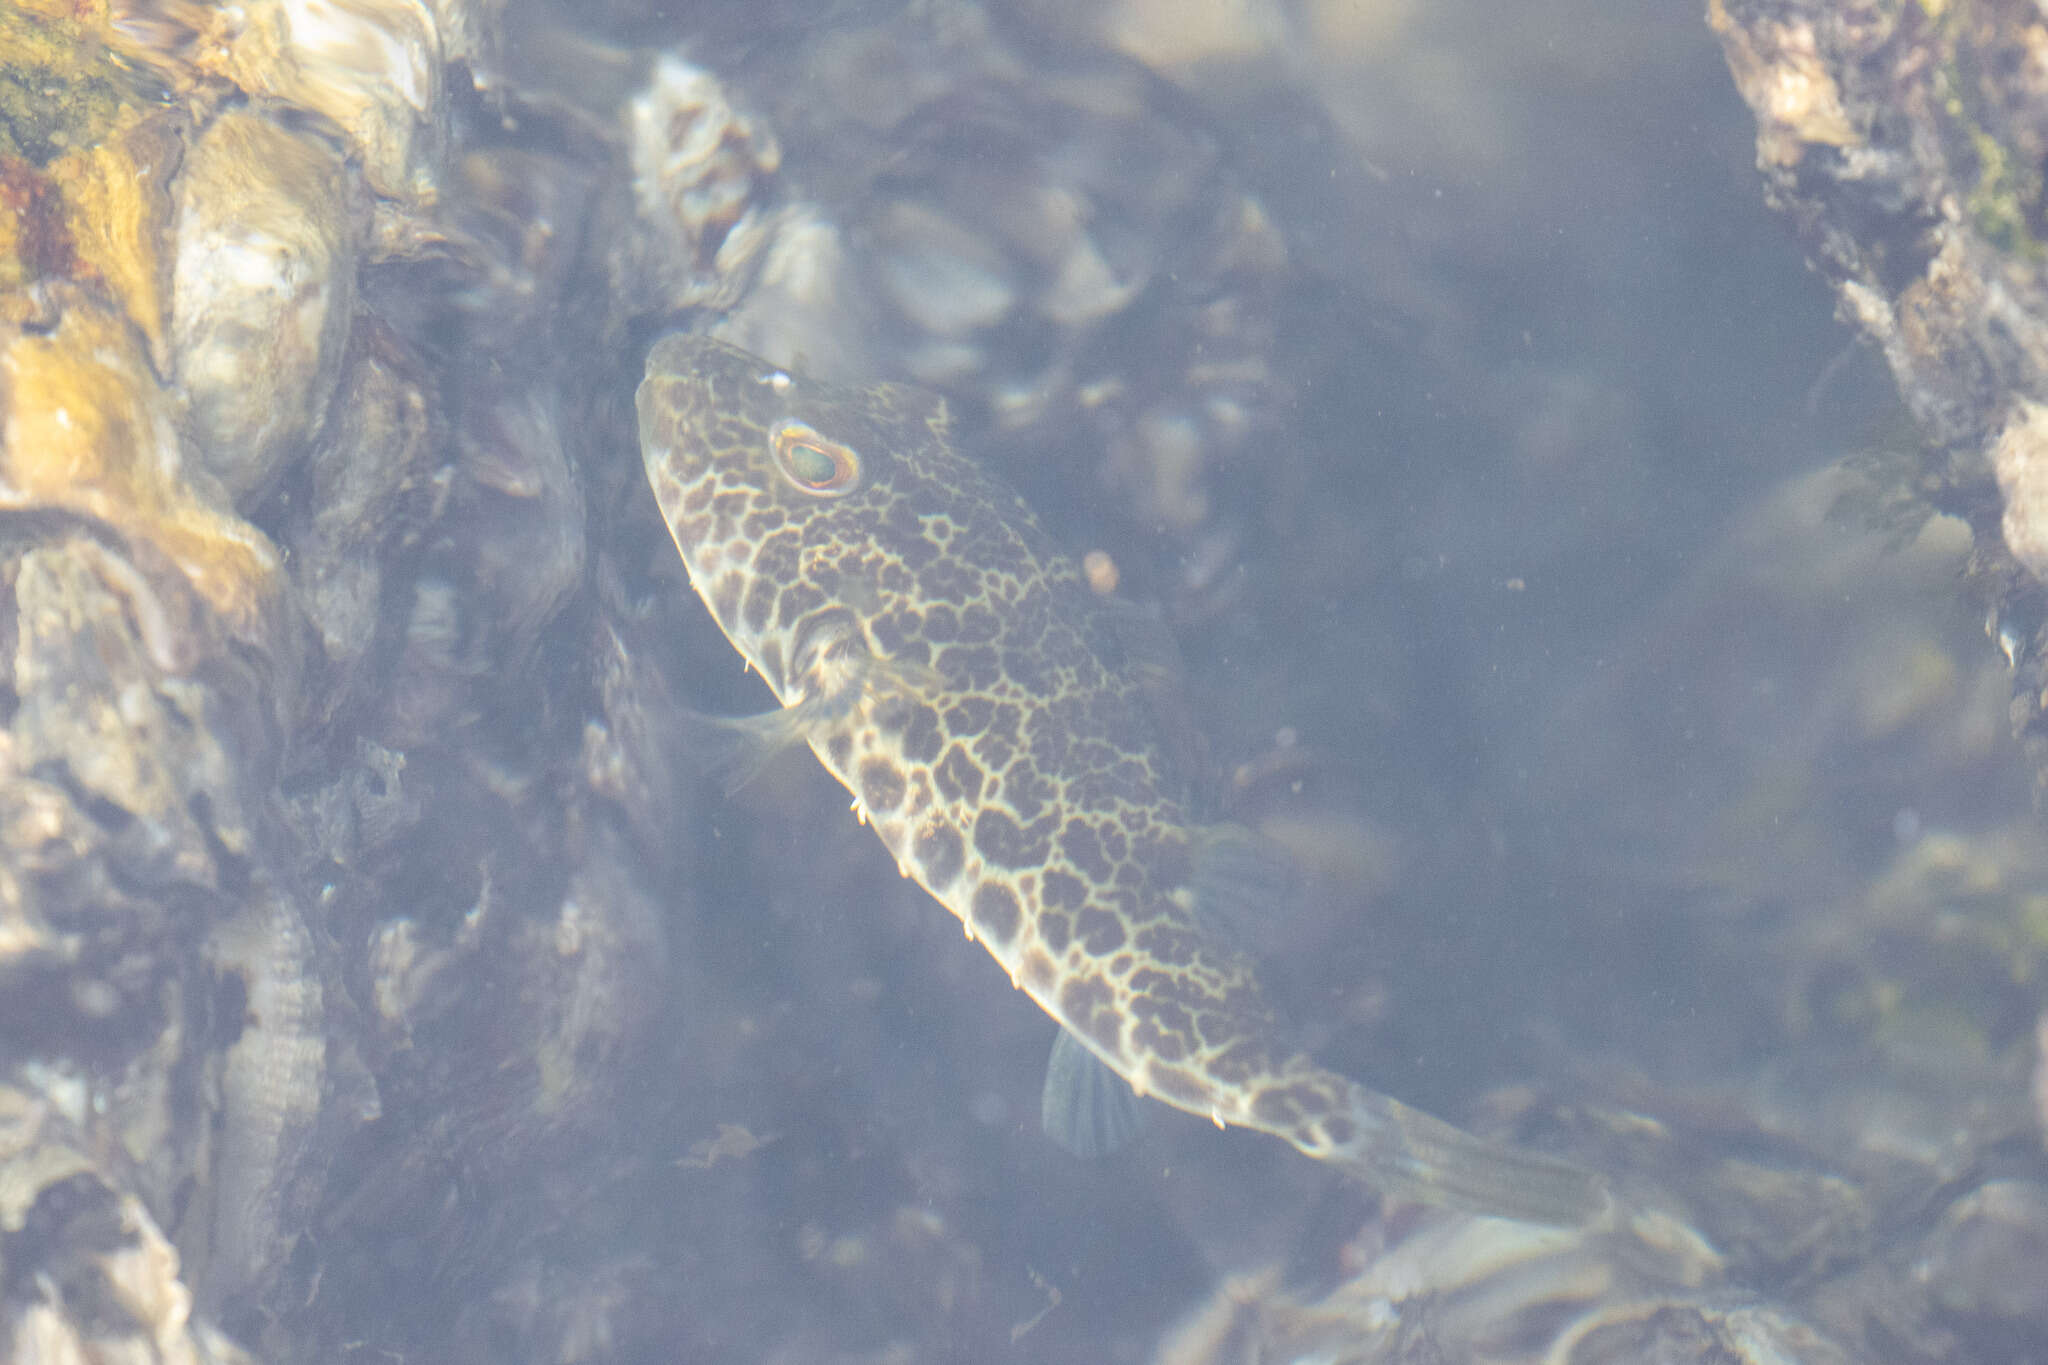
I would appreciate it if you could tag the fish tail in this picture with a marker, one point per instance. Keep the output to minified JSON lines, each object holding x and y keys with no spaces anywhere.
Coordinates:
{"x":1405,"y":1152}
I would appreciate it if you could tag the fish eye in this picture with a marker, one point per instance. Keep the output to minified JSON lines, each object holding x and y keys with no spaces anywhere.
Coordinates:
{"x":815,"y":463}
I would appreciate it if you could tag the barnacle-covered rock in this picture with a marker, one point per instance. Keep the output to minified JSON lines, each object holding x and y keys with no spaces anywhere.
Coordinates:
{"x":376,"y":70}
{"x":701,"y":169}
{"x":144,"y":893}
{"x":715,"y":225}
{"x":91,"y":1276}
{"x":1904,"y":143}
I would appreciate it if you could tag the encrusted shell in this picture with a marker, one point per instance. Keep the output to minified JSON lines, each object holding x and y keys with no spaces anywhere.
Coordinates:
{"x":263,"y":294}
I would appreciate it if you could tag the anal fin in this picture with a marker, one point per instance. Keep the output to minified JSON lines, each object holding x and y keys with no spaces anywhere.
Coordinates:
{"x":1086,"y":1107}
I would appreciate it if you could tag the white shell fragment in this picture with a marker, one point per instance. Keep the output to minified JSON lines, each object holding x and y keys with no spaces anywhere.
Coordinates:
{"x":2020,"y":459}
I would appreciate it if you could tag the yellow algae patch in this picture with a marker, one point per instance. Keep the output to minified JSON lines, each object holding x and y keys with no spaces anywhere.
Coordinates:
{"x":60,"y":87}
{"x":85,"y":428}
{"x":117,"y":209}
{"x":87,"y":150}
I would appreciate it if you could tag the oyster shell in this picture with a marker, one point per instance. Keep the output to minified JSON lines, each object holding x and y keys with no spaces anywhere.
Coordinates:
{"x":263,"y":290}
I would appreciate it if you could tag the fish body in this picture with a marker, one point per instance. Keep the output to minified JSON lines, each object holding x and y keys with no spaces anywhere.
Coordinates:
{"x":995,"y":721}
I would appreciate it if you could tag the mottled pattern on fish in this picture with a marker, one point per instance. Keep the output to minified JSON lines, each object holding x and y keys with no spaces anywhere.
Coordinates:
{"x":953,"y":669}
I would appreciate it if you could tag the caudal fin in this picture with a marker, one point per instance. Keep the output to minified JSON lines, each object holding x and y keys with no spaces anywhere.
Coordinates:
{"x":1405,"y":1152}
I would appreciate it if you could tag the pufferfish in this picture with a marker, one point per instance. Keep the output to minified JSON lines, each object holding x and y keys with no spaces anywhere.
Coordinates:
{"x":998,"y":724}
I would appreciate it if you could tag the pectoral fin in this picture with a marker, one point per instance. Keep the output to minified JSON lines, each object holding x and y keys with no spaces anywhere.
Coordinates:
{"x":1240,"y":879}
{"x":739,"y":748}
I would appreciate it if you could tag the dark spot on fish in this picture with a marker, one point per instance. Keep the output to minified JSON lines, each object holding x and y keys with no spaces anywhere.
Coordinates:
{"x":798,"y":598}
{"x":1235,"y":1000}
{"x":1083,"y":847}
{"x":1153,"y":1041}
{"x":979,"y":625}
{"x":905,"y":531}
{"x":1005,"y":843}
{"x":1055,"y":929}
{"x":840,"y":748}
{"x":697,"y":499}
{"x":956,"y":777}
{"x":969,"y":716}
{"x":1063,"y":890}
{"x":1161,"y":1027}
{"x":993,"y":753}
{"x":995,"y":912}
{"x":1026,"y":792}
{"x":1239,"y":1062}
{"x":921,"y":739}
{"x":1026,"y":668}
{"x":725,"y":597}
{"x":778,"y":561}
{"x":1170,"y":988}
{"x":972,"y":668}
{"x":1050,"y":744}
{"x":760,"y":605}
{"x":939,"y":852}
{"x":1339,"y":1130}
{"x":881,"y":785}
{"x":1038,"y":972}
{"x":893,"y":630}
{"x":1170,"y":1082}
{"x":949,"y":580}
{"x":941,"y":623}
{"x":1006,"y":720}
{"x":1101,"y":933}
{"x":1090,"y":1009}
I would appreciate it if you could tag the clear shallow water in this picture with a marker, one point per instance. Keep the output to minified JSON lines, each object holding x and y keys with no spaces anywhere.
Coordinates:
{"x":1439,"y":381}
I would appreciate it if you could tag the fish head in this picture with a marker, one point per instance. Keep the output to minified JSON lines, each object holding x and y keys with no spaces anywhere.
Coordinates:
{"x":801,"y":509}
